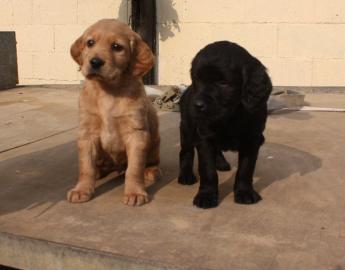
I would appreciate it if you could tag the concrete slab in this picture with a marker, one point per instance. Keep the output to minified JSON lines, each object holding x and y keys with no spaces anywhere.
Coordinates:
{"x":300,"y":224}
{"x":28,"y":114}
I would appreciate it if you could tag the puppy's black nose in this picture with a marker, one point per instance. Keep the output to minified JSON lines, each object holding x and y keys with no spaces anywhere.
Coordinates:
{"x":200,"y":105}
{"x":96,"y":62}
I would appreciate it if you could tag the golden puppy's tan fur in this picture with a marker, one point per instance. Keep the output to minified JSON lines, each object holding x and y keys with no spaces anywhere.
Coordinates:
{"x":118,"y":127}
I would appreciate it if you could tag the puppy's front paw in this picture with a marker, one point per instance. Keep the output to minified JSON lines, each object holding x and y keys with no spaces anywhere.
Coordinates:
{"x":136,"y":199}
{"x":247,"y":196}
{"x":79,"y":195}
{"x":187,"y":179}
{"x":206,"y":199}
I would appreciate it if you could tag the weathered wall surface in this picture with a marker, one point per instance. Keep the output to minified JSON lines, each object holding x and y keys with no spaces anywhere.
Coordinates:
{"x":45,"y":30}
{"x":302,"y":42}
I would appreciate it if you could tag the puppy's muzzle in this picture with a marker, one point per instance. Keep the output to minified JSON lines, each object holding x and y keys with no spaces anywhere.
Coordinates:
{"x":96,"y":63}
{"x":200,"y":105}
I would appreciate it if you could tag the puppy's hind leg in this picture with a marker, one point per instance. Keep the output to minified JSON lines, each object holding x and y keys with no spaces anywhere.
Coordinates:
{"x":186,"y":175}
{"x":105,"y":165}
{"x":152,"y":174}
{"x":221,"y":163}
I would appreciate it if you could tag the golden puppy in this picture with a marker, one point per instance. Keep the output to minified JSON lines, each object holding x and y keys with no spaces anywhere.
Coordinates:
{"x":118,"y":127}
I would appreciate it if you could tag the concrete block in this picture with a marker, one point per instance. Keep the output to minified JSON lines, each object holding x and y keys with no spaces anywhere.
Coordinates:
{"x":80,"y":77}
{"x":89,"y":12}
{"x":6,"y":12}
{"x":295,"y":72}
{"x":65,"y":68}
{"x":7,"y":28}
{"x":41,"y":81}
{"x":259,"y":39}
{"x":22,"y":12}
{"x":25,"y":65}
{"x":8,"y":63}
{"x":65,"y":35}
{"x":24,"y":81}
{"x":328,"y":72}
{"x":215,"y":11}
{"x":174,"y":69}
{"x":330,"y":11}
{"x":289,"y":71}
{"x":195,"y":35}
{"x":35,"y":38}
{"x":273,"y":68}
{"x":174,"y":58}
{"x":55,"y":12}
{"x":43,"y":65}
{"x":311,"y":40}
{"x":54,"y":67}
{"x":280,"y":11}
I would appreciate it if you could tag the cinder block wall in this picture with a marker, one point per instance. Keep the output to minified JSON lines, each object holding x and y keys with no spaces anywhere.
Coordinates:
{"x":45,"y":29}
{"x":302,"y":42}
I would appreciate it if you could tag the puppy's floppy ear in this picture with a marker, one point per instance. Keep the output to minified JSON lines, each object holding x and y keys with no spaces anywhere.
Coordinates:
{"x":143,"y":58}
{"x":76,"y":50}
{"x":256,"y":88}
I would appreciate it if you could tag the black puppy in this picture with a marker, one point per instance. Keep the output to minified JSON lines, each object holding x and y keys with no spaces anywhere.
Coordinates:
{"x":225,"y":108}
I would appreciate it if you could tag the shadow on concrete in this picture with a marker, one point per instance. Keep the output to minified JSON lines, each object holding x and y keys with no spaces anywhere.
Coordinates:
{"x":3,"y":267}
{"x":169,"y":151}
{"x":276,"y":162}
{"x":36,"y":178}
{"x":33,"y":179}
{"x":30,"y":180}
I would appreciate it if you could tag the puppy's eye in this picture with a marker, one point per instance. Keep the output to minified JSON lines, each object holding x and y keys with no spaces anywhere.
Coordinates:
{"x":116,"y":47}
{"x":90,"y":43}
{"x":223,"y":83}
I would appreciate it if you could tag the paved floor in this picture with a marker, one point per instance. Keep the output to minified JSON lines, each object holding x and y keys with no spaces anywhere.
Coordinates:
{"x":299,"y":224}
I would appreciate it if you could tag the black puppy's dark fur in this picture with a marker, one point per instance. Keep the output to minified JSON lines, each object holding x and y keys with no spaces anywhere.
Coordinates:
{"x":225,"y":108}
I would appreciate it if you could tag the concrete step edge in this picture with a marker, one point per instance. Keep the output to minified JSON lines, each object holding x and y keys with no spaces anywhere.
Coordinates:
{"x":30,"y":253}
